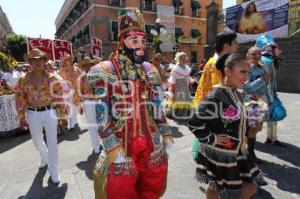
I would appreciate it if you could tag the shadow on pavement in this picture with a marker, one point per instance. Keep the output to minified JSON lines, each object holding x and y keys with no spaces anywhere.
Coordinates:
{"x":37,"y":190}
{"x":71,"y":135}
{"x":88,"y":165}
{"x":175,"y":132}
{"x":287,"y":178}
{"x":11,"y":142}
{"x":290,"y":153}
{"x":262,"y":194}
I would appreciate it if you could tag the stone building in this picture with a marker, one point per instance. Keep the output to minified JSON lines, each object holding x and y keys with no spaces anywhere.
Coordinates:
{"x":78,"y":20}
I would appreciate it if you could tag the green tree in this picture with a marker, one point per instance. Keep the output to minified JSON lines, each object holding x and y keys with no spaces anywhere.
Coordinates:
{"x":4,"y":62}
{"x":16,"y":46}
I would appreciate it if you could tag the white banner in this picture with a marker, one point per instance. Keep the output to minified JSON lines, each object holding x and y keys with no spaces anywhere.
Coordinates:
{"x":8,"y":113}
{"x":167,"y":17}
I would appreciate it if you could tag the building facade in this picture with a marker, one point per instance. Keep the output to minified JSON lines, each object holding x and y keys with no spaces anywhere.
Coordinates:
{"x":5,"y":27}
{"x":78,"y":20}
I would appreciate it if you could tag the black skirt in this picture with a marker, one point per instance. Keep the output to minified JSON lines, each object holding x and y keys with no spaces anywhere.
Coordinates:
{"x":225,"y":172}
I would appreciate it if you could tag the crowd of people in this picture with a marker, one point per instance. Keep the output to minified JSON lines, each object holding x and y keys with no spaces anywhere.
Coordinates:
{"x":126,"y":101}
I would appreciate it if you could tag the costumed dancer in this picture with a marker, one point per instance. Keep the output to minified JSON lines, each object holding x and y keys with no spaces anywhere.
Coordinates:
{"x":255,"y":102}
{"x":219,"y":124}
{"x":89,"y":102}
{"x":39,"y":101}
{"x":270,"y":54}
{"x":179,"y":94}
{"x":70,"y":75}
{"x":131,"y":123}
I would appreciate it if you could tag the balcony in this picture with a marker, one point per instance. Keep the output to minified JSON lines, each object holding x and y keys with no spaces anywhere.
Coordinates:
{"x":118,"y":3}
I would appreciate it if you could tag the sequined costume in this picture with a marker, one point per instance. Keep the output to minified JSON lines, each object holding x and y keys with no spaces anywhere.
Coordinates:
{"x":131,"y":124}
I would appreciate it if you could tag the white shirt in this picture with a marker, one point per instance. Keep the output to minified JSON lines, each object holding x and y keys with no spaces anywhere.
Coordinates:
{"x":11,"y":78}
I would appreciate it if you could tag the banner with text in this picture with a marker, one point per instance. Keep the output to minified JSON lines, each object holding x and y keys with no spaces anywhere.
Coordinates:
{"x":254,"y":18}
{"x":96,"y":47}
{"x":61,"y":48}
{"x":167,"y":17}
{"x":45,"y":45}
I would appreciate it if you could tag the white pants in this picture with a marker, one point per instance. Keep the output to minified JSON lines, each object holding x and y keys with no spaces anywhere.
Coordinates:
{"x":90,"y":117}
{"x":68,"y":98}
{"x":272,"y":131}
{"x":48,"y":120}
{"x":72,"y":117}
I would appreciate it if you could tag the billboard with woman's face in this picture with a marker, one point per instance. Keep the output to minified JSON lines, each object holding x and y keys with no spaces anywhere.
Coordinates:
{"x":253,"y":18}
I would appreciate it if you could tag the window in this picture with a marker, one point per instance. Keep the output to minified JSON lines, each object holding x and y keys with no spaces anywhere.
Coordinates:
{"x":195,"y":8}
{"x":120,"y":3}
{"x":195,"y":33}
{"x":78,"y":39}
{"x":86,"y":35}
{"x":178,"y":33}
{"x":114,"y":30}
{"x":149,"y":5}
{"x":73,"y":41}
{"x":194,"y":57}
{"x":178,"y":9}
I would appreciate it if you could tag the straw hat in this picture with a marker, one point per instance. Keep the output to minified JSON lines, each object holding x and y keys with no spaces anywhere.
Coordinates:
{"x":65,"y":58}
{"x":86,"y":61}
{"x":35,"y":54}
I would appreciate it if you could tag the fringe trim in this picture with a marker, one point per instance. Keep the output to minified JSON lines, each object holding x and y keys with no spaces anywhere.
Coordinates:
{"x":217,"y":156}
{"x":96,"y":76}
{"x":157,"y":158}
{"x":102,"y":165}
{"x":125,"y":168}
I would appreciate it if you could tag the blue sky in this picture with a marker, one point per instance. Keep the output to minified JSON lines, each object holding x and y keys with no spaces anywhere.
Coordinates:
{"x":36,"y":18}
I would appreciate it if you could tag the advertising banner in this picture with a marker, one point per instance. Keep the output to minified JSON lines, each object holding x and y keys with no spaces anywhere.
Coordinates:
{"x":167,"y":17}
{"x":61,"y":48}
{"x":45,"y":45}
{"x":252,"y":18}
{"x":96,"y":47}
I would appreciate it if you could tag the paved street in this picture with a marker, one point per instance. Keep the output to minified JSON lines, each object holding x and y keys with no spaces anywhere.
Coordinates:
{"x":20,"y":177}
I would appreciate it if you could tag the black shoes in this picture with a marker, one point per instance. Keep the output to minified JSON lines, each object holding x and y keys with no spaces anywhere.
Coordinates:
{"x":50,"y":181}
{"x":260,"y":181}
{"x":268,"y":141}
{"x":276,"y":142}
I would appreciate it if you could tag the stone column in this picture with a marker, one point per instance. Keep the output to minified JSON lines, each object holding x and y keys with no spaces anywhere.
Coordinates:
{"x":212,"y":25}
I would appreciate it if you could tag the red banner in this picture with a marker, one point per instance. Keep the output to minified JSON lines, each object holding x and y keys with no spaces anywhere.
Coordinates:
{"x":96,"y":47}
{"x":61,"y":48}
{"x":45,"y":45}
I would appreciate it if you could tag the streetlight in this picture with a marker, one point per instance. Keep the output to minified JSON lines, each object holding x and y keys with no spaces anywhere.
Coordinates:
{"x":157,"y":30}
